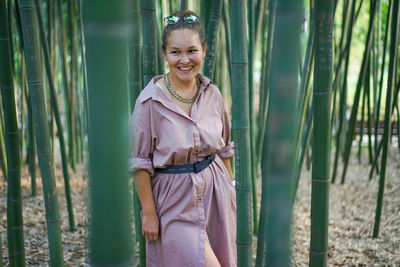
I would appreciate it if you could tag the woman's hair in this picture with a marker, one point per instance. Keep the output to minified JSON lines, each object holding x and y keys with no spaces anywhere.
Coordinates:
{"x":182,"y":25}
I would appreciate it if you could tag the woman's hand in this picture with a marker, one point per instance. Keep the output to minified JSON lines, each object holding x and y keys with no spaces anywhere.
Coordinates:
{"x":150,"y":226}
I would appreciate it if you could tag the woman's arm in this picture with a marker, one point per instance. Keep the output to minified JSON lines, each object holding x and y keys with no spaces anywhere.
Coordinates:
{"x":227,"y":162}
{"x":150,"y":222}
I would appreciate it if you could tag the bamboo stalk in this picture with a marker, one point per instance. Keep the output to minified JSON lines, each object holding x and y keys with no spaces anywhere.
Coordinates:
{"x":321,"y":131}
{"x":56,"y":112}
{"x":388,"y":112}
{"x":31,"y":147}
{"x":253,"y":161}
{"x":377,"y":104}
{"x":135,"y":86}
{"x":11,"y":136}
{"x":149,"y":30}
{"x":183,"y":5}
{"x":241,"y":131}
{"x":3,"y":161}
{"x":343,"y":88}
{"x":35,"y":83}
{"x":73,"y":141}
{"x":211,"y":37}
{"x":279,"y":150}
{"x":65,"y":74}
{"x":266,"y":80}
{"x":361,"y":78}
{"x":108,"y":30}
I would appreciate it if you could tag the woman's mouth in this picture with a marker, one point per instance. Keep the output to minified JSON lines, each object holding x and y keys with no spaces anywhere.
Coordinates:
{"x":185,"y":68}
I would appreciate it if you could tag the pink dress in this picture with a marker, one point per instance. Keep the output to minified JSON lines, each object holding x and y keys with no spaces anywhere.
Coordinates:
{"x":191,"y":206}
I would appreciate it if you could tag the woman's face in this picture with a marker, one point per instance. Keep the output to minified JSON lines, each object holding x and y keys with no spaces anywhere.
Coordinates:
{"x":184,"y":54}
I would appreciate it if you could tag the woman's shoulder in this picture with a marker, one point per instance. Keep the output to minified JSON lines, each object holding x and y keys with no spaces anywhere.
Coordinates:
{"x":208,"y":85}
{"x":150,"y":91}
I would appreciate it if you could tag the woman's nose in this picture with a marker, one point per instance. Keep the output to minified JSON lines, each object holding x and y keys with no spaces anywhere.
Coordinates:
{"x":184,"y":58}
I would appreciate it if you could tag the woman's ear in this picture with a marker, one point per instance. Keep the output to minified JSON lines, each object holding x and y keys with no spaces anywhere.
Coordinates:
{"x":204,"y":47}
{"x":164,"y":53}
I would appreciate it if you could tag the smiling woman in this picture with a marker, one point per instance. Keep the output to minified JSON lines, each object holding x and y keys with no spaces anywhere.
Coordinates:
{"x":181,"y":157}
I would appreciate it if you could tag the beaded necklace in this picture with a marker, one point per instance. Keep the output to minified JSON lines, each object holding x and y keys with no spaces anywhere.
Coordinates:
{"x":176,"y":95}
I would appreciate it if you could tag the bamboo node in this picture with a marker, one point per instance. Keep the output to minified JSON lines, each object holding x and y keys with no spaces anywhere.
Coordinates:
{"x":315,"y":252}
{"x":321,"y":180}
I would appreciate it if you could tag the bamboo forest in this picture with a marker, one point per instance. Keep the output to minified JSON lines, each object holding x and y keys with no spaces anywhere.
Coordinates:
{"x":312,"y":94}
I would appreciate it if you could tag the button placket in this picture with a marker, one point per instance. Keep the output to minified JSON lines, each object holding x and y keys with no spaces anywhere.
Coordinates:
{"x":196,"y":142}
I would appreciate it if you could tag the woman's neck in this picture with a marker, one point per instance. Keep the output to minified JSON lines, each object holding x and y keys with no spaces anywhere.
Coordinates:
{"x":182,"y":86}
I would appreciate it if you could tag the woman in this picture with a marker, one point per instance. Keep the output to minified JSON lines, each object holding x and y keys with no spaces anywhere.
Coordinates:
{"x":181,"y":157}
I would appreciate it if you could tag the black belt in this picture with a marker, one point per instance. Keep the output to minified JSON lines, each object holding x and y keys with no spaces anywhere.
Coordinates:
{"x":196,"y":167}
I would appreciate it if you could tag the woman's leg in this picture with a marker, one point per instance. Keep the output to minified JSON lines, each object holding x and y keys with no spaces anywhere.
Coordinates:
{"x":210,"y":258}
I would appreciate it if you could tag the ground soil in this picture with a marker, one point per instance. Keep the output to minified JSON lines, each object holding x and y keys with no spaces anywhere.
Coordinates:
{"x":352,"y":211}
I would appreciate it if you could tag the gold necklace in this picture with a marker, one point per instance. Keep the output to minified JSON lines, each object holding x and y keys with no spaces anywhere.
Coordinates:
{"x":176,"y":95}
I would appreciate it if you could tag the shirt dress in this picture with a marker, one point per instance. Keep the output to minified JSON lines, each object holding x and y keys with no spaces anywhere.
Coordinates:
{"x":191,"y":206}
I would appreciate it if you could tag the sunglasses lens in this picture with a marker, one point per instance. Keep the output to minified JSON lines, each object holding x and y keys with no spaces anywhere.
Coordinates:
{"x":171,"y":19}
{"x":191,"y":18}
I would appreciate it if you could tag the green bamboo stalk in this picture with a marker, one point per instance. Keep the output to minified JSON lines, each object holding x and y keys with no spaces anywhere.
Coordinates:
{"x":260,"y":8}
{"x":388,"y":112}
{"x":343,"y":88}
{"x":226,"y":20}
{"x":361,"y":131}
{"x":135,"y":55}
{"x":279,"y":150}
{"x":35,"y":83}
{"x":10,"y":241}
{"x":241,"y":131}
{"x":211,"y":37}
{"x":305,"y":92}
{"x":83,"y":117}
{"x":149,"y":30}
{"x":205,"y":9}
{"x":108,"y":30}
{"x":369,"y":126}
{"x":377,"y":104}
{"x":11,"y":137}
{"x":263,"y":104}
{"x":323,"y":70}
{"x":31,"y":147}
{"x":304,"y":146}
{"x":54,"y":104}
{"x":3,"y":161}
{"x":135,"y":86}
{"x":183,"y":5}
{"x":10,"y":16}
{"x":83,"y":70}
{"x":150,"y":63}
{"x":72,"y":103}
{"x":251,"y":40}
{"x":65,"y":73}
{"x":361,"y":78}
{"x":398,"y":126}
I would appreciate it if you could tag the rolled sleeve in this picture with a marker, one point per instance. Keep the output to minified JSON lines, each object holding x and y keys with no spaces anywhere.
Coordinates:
{"x":142,"y":143}
{"x":141,"y":163}
{"x":227,"y":151}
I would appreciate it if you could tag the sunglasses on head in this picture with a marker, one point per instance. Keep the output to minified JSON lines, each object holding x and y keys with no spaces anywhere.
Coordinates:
{"x":172,"y":19}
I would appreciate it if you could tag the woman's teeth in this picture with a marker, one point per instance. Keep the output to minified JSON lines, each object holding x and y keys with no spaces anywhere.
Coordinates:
{"x":186,"y":68}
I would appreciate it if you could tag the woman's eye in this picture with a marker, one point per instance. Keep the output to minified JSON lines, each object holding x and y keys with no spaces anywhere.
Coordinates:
{"x":192,"y":50}
{"x":174,"y":52}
